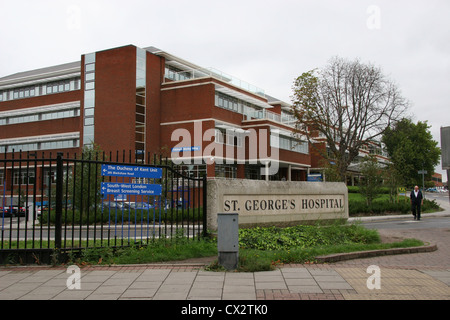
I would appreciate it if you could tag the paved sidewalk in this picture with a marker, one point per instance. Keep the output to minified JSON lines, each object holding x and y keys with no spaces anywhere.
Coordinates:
{"x":192,"y":282}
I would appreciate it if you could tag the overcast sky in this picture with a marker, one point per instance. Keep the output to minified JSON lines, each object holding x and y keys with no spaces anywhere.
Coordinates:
{"x":266,"y":43}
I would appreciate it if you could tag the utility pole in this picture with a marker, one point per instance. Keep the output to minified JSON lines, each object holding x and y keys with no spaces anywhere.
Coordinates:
{"x":445,"y":152}
{"x":423,"y":173}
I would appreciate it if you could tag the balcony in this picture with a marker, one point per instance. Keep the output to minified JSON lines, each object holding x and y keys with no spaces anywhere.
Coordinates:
{"x":264,"y":114}
{"x":211,"y":72}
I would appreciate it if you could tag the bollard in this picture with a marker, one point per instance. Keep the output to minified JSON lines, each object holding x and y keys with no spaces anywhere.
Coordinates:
{"x":228,"y":240}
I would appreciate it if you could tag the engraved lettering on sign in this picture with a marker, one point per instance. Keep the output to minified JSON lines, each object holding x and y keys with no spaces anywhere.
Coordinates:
{"x":273,"y":204}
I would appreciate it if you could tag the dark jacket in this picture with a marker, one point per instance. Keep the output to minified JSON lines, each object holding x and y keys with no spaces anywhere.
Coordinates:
{"x":418,"y":199}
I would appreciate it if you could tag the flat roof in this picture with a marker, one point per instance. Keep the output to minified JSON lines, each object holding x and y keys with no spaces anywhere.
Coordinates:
{"x":65,"y":68}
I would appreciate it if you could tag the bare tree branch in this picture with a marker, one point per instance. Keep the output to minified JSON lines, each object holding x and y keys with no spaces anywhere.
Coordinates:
{"x":349,"y":104}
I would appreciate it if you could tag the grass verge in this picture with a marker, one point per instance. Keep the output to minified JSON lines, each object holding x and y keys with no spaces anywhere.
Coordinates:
{"x":261,"y":249}
{"x":155,"y":251}
{"x":251,"y":260}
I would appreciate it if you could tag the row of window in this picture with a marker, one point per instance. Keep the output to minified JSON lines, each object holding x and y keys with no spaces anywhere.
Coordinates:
{"x":33,"y":146}
{"x":40,"y":89}
{"x":89,"y":98}
{"x":228,"y":171}
{"x":287,"y":143}
{"x":40,"y":116}
{"x":236,"y":105}
{"x":228,"y":137}
{"x":176,"y":74}
{"x":28,"y":177}
{"x":141,"y":62}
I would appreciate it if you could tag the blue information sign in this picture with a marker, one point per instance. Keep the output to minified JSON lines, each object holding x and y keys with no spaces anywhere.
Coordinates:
{"x":131,"y":171}
{"x":135,"y":189}
{"x":315,"y":177}
{"x":178,"y":149}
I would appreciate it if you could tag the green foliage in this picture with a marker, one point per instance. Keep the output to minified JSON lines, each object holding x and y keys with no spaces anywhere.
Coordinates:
{"x":263,"y":249}
{"x":356,"y":189}
{"x":411,"y":148}
{"x":154,"y":251}
{"x":84,"y":183}
{"x":107,"y":215}
{"x":274,"y":238}
{"x":403,"y":206}
{"x":371,"y":180}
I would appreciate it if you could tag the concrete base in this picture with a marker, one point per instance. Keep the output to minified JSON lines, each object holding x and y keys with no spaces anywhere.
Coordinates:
{"x":229,"y":260}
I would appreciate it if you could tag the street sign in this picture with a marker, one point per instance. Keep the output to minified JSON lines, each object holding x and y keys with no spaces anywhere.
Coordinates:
{"x":445,"y":148}
{"x":315,"y":177}
{"x":131,"y":171}
{"x":185,"y":149}
{"x":422,"y":172}
{"x":136,"y":189}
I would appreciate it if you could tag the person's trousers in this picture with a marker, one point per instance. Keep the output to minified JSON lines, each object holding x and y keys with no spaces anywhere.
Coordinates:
{"x":416,"y":210}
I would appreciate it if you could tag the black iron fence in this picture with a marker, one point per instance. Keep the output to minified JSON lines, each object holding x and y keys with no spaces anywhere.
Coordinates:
{"x":68,"y":203}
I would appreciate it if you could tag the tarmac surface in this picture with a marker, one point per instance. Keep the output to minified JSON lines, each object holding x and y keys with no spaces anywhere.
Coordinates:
{"x":414,"y":276}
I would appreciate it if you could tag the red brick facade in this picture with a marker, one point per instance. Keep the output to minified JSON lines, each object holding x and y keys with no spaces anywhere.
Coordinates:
{"x":170,"y":104}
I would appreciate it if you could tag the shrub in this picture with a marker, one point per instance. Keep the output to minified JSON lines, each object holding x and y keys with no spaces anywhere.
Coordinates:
{"x":274,"y":238}
{"x":356,"y":189}
{"x":385,"y":207}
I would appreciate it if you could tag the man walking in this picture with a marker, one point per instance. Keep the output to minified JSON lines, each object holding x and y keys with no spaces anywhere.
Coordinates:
{"x":416,"y":202}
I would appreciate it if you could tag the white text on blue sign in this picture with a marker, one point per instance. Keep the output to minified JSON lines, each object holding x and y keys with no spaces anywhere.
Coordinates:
{"x":185,"y":149}
{"x":131,"y":171}
{"x":131,"y":189}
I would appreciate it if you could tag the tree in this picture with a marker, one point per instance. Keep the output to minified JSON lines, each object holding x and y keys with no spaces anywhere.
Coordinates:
{"x":84,"y":183}
{"x":392,"y":180}
{"x":349,"y":104}
{"x":411,"y":148}
{"x":372,"y":179}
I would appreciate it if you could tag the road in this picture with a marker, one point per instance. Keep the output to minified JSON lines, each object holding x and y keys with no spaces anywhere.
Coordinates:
{"x":409,"y":223}
{"x":431,"y":229}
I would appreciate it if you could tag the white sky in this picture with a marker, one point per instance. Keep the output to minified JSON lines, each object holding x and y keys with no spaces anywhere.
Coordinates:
{"x":266,"y":43}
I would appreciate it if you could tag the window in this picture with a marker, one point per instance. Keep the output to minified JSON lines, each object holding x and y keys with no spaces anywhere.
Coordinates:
{"x":139,"y":137}
{"x":58,"y":86}
{"x":228,"y":137}
{"x":24,"y":92}
{"x":59,"y":144}
{"x":228,"y":171}
{"x":90,"y":67}
{"x":193,"y":171}
{"x":230,"y":103}
{"x":89,"y":98}
{"x":62,"y":144}
{"x":45,"y":88}
{"x":176,"y":74}
{"x":288,"y":143}
{"x":90,"y":86}
{"x":21,"y":177}
{"x":20,"y":147}
{"x":40,"y":114}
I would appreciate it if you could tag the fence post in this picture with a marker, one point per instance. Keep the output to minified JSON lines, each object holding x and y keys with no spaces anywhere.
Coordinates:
{"x":58,"y":200}
{"x":205,"y":227}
